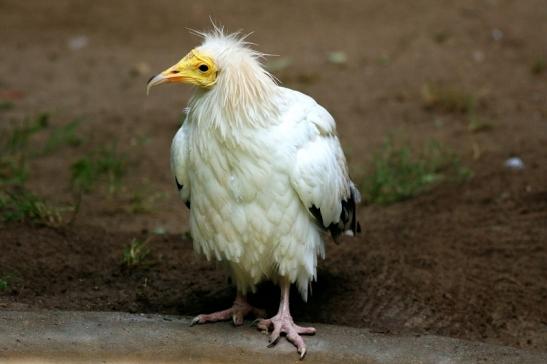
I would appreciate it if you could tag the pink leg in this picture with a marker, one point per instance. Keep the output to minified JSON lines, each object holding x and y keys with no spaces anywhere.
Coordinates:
{"x":236,"y":313}
{"x":283,"y":323}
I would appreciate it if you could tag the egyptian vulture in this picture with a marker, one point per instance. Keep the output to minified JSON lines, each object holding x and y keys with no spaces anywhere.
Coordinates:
{"x":261,"y":169}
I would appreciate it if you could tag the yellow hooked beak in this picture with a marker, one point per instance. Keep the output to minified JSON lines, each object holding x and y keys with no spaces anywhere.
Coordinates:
{"x":172,"y":74}
{"x":196,"y":69}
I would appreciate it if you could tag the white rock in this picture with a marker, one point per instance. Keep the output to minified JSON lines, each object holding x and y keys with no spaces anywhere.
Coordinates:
{"x":514,"y":163}
{"x":78,"y":42}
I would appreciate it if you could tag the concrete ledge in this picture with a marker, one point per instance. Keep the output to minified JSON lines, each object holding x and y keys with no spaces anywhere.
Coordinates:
{"x":106,"y":337}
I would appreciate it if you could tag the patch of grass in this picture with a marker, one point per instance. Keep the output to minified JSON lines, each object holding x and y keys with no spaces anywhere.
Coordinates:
{"x":140,"y":140}
{"x":446,"y":99}
{"x":139,"y":203}
{"x":453,"y":100}
{"x":13,"y":170}
{"x":6,"y":105}
{"x":441,"y":37}
{"x":539,"y":66}
{"x":17,"y":148}
{"x":399,"y":173}
{"x":24,"y":206}
{"x":8,"y":281}
{"x":142,"y":198}
{"x":102,"y":164}
{"x":14,"y":150}
{"x":136,"y":254}
{"x":475,"y":124}
{"x":63,"y":135}
{"x":383,"y":60}
{"x":4,"y":284}
{"x":17,"y":140}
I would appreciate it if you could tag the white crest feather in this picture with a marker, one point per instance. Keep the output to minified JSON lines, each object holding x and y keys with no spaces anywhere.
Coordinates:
{"x":244,"y":94}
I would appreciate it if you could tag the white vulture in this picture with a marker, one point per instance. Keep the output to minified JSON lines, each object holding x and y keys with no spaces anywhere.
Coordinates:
{"x":263,"y":173}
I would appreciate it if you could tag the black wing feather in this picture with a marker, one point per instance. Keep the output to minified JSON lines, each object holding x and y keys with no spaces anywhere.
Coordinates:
{"x":179,"y":187}
{"x":348,"y":217}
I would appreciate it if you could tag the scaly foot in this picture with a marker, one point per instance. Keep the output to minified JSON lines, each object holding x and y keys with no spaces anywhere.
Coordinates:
{"x":236,"y":313}
{"x":282,"y":323}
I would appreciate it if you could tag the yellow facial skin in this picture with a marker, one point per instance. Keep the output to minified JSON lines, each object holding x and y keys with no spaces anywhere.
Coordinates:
{"x":196,"y":68}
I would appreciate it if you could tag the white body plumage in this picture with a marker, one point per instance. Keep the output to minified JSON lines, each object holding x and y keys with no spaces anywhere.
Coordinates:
{"x":252,"y":160}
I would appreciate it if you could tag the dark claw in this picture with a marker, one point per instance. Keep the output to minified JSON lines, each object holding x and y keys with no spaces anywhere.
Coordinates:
{"x":274,"y":341}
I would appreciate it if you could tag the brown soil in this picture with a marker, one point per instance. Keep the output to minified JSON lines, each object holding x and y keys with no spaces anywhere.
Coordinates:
{"x":465,"y":260}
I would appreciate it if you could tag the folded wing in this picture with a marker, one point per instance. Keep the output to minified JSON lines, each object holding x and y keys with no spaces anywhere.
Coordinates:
{"x":179,"y":162}
{"x":320,"y":176}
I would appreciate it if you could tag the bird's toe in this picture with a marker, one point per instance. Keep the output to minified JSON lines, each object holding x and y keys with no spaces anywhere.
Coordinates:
{"x":274,"y":337}
{"x":263,"y":324}
{"x":283,"y":324}
{"x":297,"y":340}
{"x":305,"y":330}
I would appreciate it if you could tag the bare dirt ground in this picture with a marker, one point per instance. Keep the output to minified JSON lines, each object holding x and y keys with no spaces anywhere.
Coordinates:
{"x":467,"y":260}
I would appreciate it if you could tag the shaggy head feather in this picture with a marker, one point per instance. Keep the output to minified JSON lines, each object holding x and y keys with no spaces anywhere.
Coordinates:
{"x":244,"y":94}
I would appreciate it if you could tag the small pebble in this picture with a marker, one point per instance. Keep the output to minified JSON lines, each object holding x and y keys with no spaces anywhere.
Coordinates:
{"x":160,"y":230}
{"x":497,"y":34}
{"x":514,"y":163}
{"x":337,"y":57}
{"x":478,"y":56}
{"x":78,"y":42}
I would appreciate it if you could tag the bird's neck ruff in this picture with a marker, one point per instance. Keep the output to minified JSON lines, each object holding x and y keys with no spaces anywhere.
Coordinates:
{"x":245,"y":94}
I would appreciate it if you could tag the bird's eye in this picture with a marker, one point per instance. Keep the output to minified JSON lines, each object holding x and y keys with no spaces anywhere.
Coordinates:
{"x":203,"y":68}
{"x":175,"y":71}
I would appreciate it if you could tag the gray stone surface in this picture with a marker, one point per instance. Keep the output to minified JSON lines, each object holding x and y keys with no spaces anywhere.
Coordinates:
{"x":105,"y":337}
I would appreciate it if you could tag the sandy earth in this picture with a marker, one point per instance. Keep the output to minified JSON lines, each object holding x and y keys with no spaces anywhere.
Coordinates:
{"x":465,"y":260}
